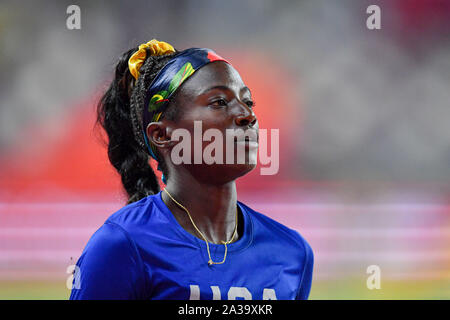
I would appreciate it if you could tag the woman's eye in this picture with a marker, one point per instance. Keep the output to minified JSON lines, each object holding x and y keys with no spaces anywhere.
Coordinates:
{"x":250,"y":104}
{"x":219,"y":102}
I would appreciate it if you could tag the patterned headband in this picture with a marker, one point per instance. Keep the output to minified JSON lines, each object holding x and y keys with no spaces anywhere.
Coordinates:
{"x":170,"y":77}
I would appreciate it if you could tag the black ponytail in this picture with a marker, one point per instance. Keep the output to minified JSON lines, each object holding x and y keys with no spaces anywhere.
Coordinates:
{"x":119,"y":112}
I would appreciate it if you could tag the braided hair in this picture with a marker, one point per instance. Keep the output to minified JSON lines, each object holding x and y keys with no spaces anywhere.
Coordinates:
{"x":119,"y":113}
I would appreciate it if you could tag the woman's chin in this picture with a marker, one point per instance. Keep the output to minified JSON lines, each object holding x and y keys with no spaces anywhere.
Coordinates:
{"x":224,"y":173}
{"x":231,"y":172}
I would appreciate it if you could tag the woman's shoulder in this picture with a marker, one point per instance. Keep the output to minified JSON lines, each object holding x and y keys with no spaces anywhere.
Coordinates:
{"x":121,"y":230}
{"x":276,"y":230}
{"x":136,"y":214}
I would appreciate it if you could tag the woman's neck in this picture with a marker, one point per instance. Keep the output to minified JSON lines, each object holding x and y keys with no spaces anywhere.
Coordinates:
{"x":212,"y":207}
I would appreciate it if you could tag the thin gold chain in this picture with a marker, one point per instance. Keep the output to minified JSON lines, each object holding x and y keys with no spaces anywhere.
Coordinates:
{"x":210,"y":261}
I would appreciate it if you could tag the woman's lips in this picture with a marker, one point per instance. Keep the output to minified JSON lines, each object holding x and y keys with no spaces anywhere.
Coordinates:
{"x":247,"y":142}
{"x":251,"y":138}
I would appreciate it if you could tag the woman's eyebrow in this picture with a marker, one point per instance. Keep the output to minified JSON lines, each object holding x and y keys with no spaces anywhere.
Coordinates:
{"x":215,"y":87}
{"x":246,"y":89}
{"x":222,"y":87}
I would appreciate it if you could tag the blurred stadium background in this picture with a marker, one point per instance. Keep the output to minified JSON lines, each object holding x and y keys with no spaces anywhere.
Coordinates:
{"x":363,"y":118}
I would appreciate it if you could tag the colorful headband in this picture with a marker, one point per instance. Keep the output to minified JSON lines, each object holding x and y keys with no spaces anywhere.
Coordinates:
{"x":169,"y":78}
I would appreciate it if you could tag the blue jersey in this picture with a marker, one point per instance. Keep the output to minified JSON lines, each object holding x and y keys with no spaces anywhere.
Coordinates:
{"x":142,"y":252}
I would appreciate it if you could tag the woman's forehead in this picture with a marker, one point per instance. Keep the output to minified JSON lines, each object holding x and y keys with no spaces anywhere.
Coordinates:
{"x":213,"y":75}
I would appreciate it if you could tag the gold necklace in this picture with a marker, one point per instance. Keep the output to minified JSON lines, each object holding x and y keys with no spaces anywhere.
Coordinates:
{"x":210,"y":261}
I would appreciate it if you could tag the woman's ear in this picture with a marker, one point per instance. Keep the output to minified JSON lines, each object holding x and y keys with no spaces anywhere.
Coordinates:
{"x":159,"y":134}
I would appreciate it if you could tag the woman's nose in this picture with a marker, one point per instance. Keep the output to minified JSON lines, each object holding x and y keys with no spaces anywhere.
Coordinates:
{"x":246,"y":118}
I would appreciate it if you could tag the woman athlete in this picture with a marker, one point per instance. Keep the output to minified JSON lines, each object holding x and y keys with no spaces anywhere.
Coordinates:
{"x":194,"y":239}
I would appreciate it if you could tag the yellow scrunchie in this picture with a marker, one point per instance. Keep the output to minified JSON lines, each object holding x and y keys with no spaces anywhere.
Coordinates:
{"x":157,"y":48}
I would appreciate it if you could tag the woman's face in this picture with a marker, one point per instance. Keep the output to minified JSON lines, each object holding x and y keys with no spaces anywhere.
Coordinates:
{"x":216,"y":96}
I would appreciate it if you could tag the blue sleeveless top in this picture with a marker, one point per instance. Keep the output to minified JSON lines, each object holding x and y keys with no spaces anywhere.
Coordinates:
{"x":142,"y":252}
